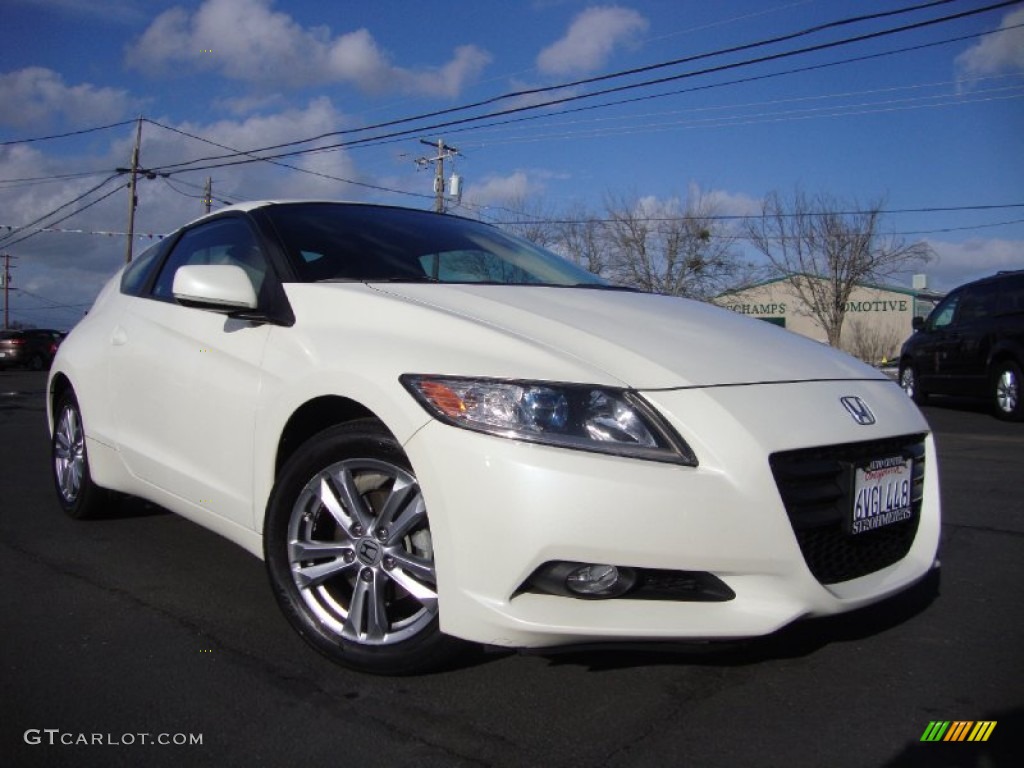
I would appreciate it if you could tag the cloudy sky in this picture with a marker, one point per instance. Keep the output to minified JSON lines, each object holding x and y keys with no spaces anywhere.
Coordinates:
{"x":558,"y":103}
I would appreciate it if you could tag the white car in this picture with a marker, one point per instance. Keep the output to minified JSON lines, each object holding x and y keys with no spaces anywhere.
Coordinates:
{"x":434,"y":432}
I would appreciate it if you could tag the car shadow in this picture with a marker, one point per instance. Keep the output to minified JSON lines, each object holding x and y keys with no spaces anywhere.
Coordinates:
{"x":121,"y":507}
{"x":797,"y":640}
{"x":953,"y":403}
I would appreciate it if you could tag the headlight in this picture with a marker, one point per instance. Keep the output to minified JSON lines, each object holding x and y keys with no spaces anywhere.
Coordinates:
{"x":589,"y":418}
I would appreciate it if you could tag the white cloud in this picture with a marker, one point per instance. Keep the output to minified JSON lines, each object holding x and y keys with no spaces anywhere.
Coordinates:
{"x":1000,"y":52}
{"x":591,"y":39}
{"x":958,"y":263}
{"x":502,"y":190}
{"x":724,"y":203}
{"x":69,"y":269}
{"x":36,"y":96}
{"x":247,"y":40}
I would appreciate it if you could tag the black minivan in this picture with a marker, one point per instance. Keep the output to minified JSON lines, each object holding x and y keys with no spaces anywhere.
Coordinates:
{"x":972,"y":345}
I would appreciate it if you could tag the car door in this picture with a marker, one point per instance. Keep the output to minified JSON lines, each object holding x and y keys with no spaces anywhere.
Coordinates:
{"x":970,"y":339}
{"x":931,"y":345}
{"x":186,"y":381}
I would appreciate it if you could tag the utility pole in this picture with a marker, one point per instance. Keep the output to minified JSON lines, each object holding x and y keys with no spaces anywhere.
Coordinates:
{"x":5,"y":278}
{"x":133,"y":199}
{"x":444,"y":152}
{"x":208,"y":194}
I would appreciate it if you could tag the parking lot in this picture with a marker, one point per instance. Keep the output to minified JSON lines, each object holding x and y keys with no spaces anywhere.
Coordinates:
{"x":145,"y":626}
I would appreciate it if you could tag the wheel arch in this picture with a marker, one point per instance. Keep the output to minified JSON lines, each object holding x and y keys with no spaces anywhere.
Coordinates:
{"x":60,"y":385}
{"x":312,"y":417}
{"x":1003,"y":352}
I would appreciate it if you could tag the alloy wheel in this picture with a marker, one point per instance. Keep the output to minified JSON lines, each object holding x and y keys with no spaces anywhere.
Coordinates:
{"x":69,"y":453}
{"x":1007,"y":391}
{"x":360,"y":552}
{"x":907,"y":381}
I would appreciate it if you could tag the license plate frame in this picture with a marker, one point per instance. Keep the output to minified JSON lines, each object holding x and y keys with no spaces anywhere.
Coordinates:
{"x":882,"y":494}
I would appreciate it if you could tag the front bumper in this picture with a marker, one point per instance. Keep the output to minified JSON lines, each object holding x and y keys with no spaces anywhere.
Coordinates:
{"x":501,"y":508}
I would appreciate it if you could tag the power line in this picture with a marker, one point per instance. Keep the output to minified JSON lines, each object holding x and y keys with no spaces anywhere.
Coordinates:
{"x":714,"y":86}
{"x":104,"y":232}
{"x":644,"y":118}
{"x":286,"y":165}
{"x":8,"y":183}
{"x":578,"y":97}
{"x":65,"y":135}
{"x":576,"y":83}
{"x":752,"y":216}
{"x":842,"y":110}
{"x":201,"y":196}
{"x":53,"y":303}
{"x":118,"y":188}
{"x":5,"y":239}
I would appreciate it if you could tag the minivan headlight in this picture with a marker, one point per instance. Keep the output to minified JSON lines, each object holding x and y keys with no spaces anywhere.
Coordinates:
{"x":582,"y":416}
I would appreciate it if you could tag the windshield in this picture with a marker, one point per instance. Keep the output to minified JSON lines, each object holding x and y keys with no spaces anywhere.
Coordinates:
{"x":337,"y":241}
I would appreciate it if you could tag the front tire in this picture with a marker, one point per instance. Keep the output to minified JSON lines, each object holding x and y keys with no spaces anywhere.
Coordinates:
{"x":80,"y":497}
{"x":349,"y":553}
{"x":911,"y":385}
{"x":1006,"y":396}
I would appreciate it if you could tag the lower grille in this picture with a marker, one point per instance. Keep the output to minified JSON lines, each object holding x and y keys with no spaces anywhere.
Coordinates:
{"x":816,"y":485}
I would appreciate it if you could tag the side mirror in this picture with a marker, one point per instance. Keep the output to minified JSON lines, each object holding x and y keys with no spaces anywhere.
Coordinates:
{"x":917,"y":323}
{"x":215,"y":287}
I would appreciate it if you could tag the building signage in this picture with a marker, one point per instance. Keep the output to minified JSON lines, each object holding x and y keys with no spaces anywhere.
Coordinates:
{"x":779,"y":308}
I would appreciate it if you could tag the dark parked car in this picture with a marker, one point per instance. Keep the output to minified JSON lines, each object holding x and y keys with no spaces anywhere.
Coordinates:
{"x":33,"y":348}
{"x":972,"y":345}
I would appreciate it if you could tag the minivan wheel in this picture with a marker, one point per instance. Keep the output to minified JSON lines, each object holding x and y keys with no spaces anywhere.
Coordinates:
{"x":80,"y":497}
{"x":350,"y":556}
{"x":910,"y":385}
{"x":1006,"y":391}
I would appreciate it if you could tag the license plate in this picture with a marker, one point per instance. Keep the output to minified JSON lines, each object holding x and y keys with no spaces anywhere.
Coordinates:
{"x":881,"y":494}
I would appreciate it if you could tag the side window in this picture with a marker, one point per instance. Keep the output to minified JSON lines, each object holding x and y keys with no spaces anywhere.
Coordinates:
{"x":942,"y":316}
{"x":223,"y":241}
{"x":1011,"y":295}
{"x":979,"y":302}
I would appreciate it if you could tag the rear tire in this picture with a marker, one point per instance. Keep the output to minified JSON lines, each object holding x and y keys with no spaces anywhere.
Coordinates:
{"x":80,"y":497}
{"x":349,"y":553}
{"x":1005,"y":388}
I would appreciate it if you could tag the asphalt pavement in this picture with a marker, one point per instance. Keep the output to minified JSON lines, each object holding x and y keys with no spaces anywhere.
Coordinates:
{"x":143,"y":640}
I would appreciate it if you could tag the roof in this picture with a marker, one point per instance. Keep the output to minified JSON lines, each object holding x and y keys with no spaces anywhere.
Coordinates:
{"x":917,"y":294}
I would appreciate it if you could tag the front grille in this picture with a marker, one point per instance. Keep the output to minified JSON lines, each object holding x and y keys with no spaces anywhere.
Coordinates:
{"x":816,"y":485}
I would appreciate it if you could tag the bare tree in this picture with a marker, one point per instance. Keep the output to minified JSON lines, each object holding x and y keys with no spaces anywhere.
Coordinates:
{"x":531,"y":220}
{"x":581,"y":239}
{"x":824,"y":251}
{"x":871,"y":344}
{"x":672,"y":248}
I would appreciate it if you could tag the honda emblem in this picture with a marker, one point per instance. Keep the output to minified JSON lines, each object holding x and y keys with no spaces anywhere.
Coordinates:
{"x":858,"y":409}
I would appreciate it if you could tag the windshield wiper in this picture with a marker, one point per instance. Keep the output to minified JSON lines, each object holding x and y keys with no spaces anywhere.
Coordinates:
{"x":607,"y":287}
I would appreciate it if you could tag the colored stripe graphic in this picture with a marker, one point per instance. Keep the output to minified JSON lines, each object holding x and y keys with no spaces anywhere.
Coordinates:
{"x":958,"y":730}
{"x":982,"y":730}
{"x":935,"y":731}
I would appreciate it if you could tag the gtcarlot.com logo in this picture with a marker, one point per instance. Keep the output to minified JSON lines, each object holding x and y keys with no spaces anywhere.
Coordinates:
{"x":958,"y":730}
{"x":54,"y":737}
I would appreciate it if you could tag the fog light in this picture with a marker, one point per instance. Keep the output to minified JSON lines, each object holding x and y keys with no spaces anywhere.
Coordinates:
{"x":591,"y":581}
{"x":598,"y":581}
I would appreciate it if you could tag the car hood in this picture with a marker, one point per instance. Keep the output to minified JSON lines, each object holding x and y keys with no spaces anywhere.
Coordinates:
{"x":644,"y":340}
